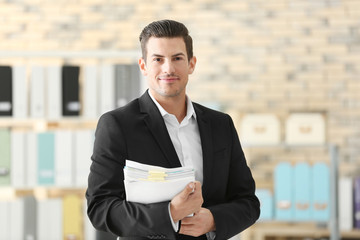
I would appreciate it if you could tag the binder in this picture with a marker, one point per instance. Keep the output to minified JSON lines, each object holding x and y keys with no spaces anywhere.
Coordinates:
{"x":64,"y":158}
{"x":54,"y":97}
{"x":6,"y":98}
{"x":357,"y":202}
{"x":321,"y":192}
{"x":16,"y":219}
{"x":20,"y":93}
{"x":345,"y":204}
{"x":90,"y":94}
{"x":30,"y":218}
{"x":135,"y":82}
{"x":284,"y":196}
{"x":5,"y":158}
{"x":37,"y":92}
{"x":72,"y":217}
{"x":302,"y":188}
{"x":266,"y":204}
{"x":4,"y":220}
{"x":50,"y":219}
{"x":18,"y":159}
{"x":84,"y":142}
{"x":70,"y":91}
{"x":31,"y":160}
{"x":46,"y":168}
{"x":89,"y":230}
{"x":122,"y":84}
{"x":107,"y":86}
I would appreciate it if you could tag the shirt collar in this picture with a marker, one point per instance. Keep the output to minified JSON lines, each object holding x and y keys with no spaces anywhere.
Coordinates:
{"x":189,"y":107}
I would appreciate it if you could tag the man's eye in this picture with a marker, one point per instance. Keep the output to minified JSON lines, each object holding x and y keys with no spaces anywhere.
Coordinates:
{"x":157,"y":59}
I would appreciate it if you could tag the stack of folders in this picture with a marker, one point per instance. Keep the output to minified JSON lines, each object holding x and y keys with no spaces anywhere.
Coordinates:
{"x":150,"y":184}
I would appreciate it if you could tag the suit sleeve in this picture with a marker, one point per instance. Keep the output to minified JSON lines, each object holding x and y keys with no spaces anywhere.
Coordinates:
{"x":107,"y":208}
{"x":242,"y":207}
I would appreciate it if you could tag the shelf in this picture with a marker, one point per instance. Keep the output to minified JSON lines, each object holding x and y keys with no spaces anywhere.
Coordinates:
{"x":275,"y":229}
{"x":40,"y":192}
{"x":43,"y":124}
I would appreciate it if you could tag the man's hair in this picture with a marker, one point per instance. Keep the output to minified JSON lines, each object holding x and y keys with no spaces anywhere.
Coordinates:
{"x":166,"y":29}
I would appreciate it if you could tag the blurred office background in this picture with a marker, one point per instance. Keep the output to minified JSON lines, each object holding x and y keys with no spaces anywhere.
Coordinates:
{"x":287,"y":71}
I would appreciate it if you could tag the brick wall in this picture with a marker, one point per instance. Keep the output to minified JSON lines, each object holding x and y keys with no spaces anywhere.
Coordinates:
{"x":278,"y":56}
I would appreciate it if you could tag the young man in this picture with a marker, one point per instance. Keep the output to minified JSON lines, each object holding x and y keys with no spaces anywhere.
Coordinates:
{"x":164,"y":128}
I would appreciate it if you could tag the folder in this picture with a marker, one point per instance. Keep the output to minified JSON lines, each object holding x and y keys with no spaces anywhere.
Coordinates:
{"x":357,"y":202}
{"x":50,"y":219}
{"x":72,"y":217}
{"x":266,"y":204}
{"x":260,"y":129}
{"x":89,"y":230}
{"x":321,"y":192}
{"x":17,"y":219}
{"x":37,"y":92}
{"x":30,"y":218}
{"x":135,"y":82}
{"x":63,"y":158}
{"x":46,"y":164}
{"x":84,"y":142}
{"x":345,"y":207}
{"x":90,"y":94}
{"x":54,"y":95}
{"x":18,"y":159}
{"x":70,"y":91}
{"x":31,"y":160}
{"x":5,"y":158}
{"x":122,"y":84}
{"x":107,"y":88}
{"x":4,"y":219}
{"x":284,"y":195}
{"x":20,"y":93}
{"x":302,"y":188}
{"x":6,"y":98}
{"x":150,"y":184}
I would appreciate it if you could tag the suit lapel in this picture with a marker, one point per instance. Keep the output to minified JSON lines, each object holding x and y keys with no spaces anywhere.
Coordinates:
{"x":207,"y":147}
{"x":155,"y":122}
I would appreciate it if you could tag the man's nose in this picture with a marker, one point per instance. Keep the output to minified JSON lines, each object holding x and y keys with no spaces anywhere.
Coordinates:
{"x":168,"y":67}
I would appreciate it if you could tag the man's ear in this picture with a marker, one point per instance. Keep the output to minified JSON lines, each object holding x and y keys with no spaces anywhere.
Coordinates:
{"x":192,"y":64}
{"x":142,"y":66}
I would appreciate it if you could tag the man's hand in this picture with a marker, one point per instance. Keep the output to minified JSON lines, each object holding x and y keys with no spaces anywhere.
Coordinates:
{"x":201,"y":223}
{"x":187,"y":202}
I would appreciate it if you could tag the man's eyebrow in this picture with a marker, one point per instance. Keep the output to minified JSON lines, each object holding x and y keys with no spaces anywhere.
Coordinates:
{"x":175,"y":55}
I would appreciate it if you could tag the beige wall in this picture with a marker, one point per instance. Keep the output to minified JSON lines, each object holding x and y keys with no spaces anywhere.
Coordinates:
{"x":258,"y":56}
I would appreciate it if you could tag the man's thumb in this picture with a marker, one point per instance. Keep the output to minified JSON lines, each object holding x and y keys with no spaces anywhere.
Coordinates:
{"x":188,"y":190}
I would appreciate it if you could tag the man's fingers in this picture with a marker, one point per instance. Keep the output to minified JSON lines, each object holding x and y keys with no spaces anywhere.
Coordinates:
{"x":188,"y":190}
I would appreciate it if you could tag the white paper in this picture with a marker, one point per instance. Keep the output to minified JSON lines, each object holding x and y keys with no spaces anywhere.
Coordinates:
{"x":142,"y":187}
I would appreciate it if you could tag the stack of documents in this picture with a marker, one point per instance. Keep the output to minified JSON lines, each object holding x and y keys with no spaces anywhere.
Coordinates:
{"x":150,"y":184}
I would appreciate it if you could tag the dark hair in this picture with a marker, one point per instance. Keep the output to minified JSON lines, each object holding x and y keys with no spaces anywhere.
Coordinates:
{"x":166,"y":29}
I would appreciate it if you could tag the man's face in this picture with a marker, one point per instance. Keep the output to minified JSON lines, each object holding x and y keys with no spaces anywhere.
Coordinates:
{"x":167,"y":67}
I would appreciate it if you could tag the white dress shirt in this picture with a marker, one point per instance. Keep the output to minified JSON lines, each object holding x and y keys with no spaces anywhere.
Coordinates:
{"x":185,"y":137}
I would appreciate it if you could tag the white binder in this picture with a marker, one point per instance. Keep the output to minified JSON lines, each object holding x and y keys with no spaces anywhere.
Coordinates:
{"x":90,"y":94}
{"x":54,"y":93}
{"x":20,"y":101}
{"x":107,"y":88}
{"x":18,"y":159}
{"x":64,"y":158}
{"x":37,"y":92}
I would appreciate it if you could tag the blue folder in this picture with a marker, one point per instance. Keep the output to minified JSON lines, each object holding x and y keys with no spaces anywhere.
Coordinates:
{"x":302,"y":188}
{"x":266,"y":204}
{"x":321,"y":192}
{"x":283,"y":189}
{"x":46,"y":156}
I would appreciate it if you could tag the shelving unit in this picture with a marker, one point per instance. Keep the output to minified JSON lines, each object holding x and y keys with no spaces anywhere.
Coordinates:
{"x":274,"y":229}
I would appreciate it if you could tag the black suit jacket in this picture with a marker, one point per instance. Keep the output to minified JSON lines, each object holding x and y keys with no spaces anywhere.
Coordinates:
{"x":138,"y":132}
